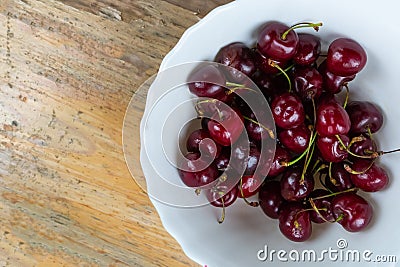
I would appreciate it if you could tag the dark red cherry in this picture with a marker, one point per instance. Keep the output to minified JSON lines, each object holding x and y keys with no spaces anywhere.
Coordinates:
{"x":307,"y":83}
{"x":250,"y":185}
{"x":288,"y":111}
{"x":270,"y":198}
{"x":294,"y":222}
{"x":295,"y":139}
{"x":323,"y":205}
{"x":226,"y":126}
{"x":281,"y":155}
{"x":200,"y":141}
{"x":207,"y":81}
{"x":345,"y":57}
{"x":219,"y":198}
{"x":267,"y":64}
{"x":272,"y":44}
{"x":369,"y":178}
{"x":364,"y":115}
{"x":222,"y":161}
{"x":195,"y":172}
{"x":332,"y":119}
{"x":293,"y":187}
{"x":364,"y":147}
{"x":260,"y":127}
{"x":308,"y":49}
{"x":333,"y":83}
{"x":352,"y":211}
{"x":239,"y":57}
{"x":340,"y":178}
{"x":331,"y":149}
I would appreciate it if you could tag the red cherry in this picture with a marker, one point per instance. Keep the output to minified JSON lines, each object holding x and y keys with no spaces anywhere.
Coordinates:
{"x":288,"y":111}
{"x":295,"y":139}
{"x":333,"y":83}
{"x":226,"y":126}
{"x":293,"y":187}
{"x":331,"y":149}
{"x":369,"y":178}
{"x":250,"y":186}
{"x":270,"y":198}
{"x":340,"y":178}
{"x":294,"y":222}
{"x":345,"y":57}
{"x":226,"y":200}
{"x":308,"y":49}
{"x":332,"y":119}
{"x":207,"y":81}
{"x":281,"y":155}
{"x":352,"y":211}
{"x":307,"y":83}
{"x":200,"y":141}
{"x":364,"y":115}
{"x":323,"y":205}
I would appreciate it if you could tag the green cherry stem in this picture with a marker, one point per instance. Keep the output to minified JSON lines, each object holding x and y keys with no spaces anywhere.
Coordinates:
{"x":347,"y":95}
{"x":372,"y":156}
{"x":287,"y":164}
{"x":272,"y":63}
{"x":334,"y":194}
{"x":301,"y":25}
{"x":270,"y":132}
{"x":222,"y":218}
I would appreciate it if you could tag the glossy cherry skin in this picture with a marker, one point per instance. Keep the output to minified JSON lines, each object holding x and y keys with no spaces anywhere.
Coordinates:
{"x":340,"y":178}
{"x":371,"y":179}
{"x":323,"y":205}
{"x":288,"y":111}
{"x":281,"y":155}
{"x":266,"y":64}
{"x":345,"y":57}
{"x":239,"y":57}
{"x":364,"y":147}
{"x":296,"y":139}
{"x":226,"y":200}
{"x":226,"y":126}
{"x":271,"y":44}
{"x":332,"y":119}
{"x":194,"y":171}
{"x":307,"y":83}
{"x":270,"y":198}
{"x":308,"y":49}
{"x":355,"y":211}
{"x":331,"y":82}
{"x":364,"y":115}
{"x":294,"y":222}
{"x":207,"y":81}
{"x":250,"y":186}
{"x":200,"y":141}
{"x":330,"y":148}
{"x":293,"y":188}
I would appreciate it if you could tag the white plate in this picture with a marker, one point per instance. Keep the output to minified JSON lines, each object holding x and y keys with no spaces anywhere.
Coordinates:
{"x":247,"y":230}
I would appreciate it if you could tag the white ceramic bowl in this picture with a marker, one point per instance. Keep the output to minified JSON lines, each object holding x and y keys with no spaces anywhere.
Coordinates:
{"x":247,"y":230}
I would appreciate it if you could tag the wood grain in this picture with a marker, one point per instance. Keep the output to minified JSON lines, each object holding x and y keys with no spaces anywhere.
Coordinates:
{"x":67,"y":71}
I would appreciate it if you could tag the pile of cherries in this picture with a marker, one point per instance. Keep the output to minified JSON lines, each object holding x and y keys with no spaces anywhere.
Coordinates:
{"x":325,"y":147}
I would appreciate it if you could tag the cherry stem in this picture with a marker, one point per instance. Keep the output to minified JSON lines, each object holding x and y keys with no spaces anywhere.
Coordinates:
{"x":272,"y":63}
{"x":198,"y":110}
{"x":339,"y":218}
{"x":372,"y":156}
{"x":237,"y":86}
{"x":315,"y":166}
{"x":314,"y":111}
{"x":301,"y":25}
{"x":253,"y":203}
{"x":347,"y":95}
{"x":307,"y":161}
{"x":285,"y":70}
{"x":350,"y":170}
{"x":287,"y":164}
{"x":334,"y":194}
{"x":222,"y":218}
{"x":270,"y":132}
{"x":320,"y":168}
{"x":356,"y":139}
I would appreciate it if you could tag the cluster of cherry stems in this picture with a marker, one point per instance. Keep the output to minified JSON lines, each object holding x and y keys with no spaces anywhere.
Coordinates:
{"x":325,"y":149}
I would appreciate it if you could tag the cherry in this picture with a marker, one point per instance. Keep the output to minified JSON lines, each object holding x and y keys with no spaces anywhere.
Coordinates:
{"x":340,"y":179}
{"x":364,"y":147}
{"x":227,"y":199}
{"x":307,"y":83}
{"x":308,"y":49}
{"x":207,"y":81}
{"x":368,"y":176}
{"x":294,"y":222}
{"x":294,"y":186}
{"x":271,"y":42}
{"x":295,"y":139}
{"x":252,"y":160}
{"x":331,"y":82}
{"x":239,"y":57}
{"x":332,"y":119}
{"x":200,"y":141}
{"x":345,"y":57}
{"x":288,"y":111}
{"x":222,"y":161}
{"x":323,"y":205}
{"x":259,"y":128}
{"x":270,"y":198}
{"x":352,"y":211}
{"x":194,"y":171}
{"x":226,"y":126}
{"x":364,"y":117}
{"x":281,"y":155}
{"x":267,"y":64}
{"x":331,"y":149}
{"x":250,"y":186}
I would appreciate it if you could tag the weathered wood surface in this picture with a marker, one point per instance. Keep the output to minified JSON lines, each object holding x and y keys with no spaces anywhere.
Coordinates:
{"x":67,"y":71}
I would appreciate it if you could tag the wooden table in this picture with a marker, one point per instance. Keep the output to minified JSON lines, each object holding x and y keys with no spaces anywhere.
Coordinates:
{"x":67,"y":71}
